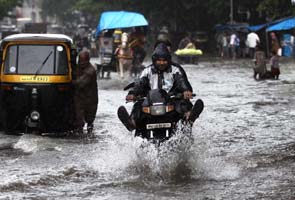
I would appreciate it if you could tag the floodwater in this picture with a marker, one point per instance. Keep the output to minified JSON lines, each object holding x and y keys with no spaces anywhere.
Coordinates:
{"x":242,"y":147}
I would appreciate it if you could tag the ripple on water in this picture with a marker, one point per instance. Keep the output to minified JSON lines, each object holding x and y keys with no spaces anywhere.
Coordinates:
{"x":51,"y":179}
{"x":288,"y":82}
{"x":115,"y":83}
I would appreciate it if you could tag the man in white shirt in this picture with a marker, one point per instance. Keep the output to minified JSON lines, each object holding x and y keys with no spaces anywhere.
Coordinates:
{"x":252,"y":41}
{"x":233,"y":45}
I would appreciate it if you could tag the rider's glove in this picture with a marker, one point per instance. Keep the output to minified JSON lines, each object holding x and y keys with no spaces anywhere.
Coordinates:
{"x":130,"y":97}
{"x":187,"y":95}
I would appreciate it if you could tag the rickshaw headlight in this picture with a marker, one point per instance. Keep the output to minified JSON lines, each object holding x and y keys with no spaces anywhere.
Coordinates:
{"x":35,"y":115}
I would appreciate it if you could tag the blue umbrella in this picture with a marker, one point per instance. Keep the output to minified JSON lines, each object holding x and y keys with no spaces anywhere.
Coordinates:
{"x":119,"y":19}
{"x":284,"y":25}
{"x":257,"y":27}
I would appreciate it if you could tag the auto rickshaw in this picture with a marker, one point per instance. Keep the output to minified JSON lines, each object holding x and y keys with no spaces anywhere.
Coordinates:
{"x":35,"y":83}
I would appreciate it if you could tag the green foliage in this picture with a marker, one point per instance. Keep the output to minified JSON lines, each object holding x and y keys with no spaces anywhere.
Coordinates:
{"x":275,"y":9}
{"x":218,"y":10}
{"x":178,"y":15}
{"x":89,"y":6}
{"x":58,"y":8}
{"x":7,"y":5}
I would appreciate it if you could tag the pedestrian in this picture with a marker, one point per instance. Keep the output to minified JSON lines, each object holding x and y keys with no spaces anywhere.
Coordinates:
{"x":218,"y":39}
{"x":85,"y":95}
{"x":275,"y":44}
{"x":260,"y":63}
{"x":234,"y":42}
{"x":225,"y":44}
{"x":242,"y":49}
{"x":252,"y":41}
{"x":184,"y":41}
{"x":274,"y":64}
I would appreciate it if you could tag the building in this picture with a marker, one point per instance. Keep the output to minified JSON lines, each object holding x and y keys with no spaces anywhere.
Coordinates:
{"x":30,"y":12}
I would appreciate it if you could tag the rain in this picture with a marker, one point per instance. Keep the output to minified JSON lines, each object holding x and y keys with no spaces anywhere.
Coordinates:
{"x":242,"y":146}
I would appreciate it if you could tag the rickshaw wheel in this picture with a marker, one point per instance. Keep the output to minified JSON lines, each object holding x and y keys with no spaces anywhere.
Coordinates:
{"x":9,"y":128}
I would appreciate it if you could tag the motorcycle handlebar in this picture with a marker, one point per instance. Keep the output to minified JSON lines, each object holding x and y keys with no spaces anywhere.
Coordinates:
{"x":172,"y":96}
{"x":179,"y":96}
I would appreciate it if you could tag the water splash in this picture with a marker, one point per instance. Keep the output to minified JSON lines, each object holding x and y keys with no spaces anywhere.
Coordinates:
{"x":27,"y":145}
{"x":167,"y":162}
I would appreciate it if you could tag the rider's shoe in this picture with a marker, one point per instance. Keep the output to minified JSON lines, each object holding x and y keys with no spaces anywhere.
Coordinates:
{"x":125,"y":119}
{"x":89,"y":129}
{"x":196,"y":110}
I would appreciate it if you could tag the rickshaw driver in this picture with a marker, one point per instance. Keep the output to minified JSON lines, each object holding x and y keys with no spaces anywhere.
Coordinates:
{"x":85,"y":94}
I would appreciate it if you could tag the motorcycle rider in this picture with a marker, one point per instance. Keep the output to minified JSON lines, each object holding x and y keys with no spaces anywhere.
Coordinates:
{"x":161,"y":74}
{"x":169,"y":46}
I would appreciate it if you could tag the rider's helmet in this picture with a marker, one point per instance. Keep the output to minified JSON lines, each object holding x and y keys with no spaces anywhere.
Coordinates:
{"x":161,"y":57}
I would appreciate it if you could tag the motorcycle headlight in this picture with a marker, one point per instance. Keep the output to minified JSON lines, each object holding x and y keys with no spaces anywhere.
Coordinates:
{"x":158,"y":110}
{"x":35,"y":115}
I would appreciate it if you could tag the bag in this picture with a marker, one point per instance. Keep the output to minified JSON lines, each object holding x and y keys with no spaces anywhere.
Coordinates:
{"x":279,"y":52}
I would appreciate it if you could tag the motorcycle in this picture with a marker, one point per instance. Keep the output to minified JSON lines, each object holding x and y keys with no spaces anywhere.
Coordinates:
{"x":160,"y":113}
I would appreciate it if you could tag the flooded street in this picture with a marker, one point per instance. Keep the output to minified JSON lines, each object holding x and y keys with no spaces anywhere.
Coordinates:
{"x":243,"y":147}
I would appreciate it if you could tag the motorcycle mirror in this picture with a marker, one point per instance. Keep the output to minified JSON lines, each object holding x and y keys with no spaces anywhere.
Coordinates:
{"x":129,"y":86}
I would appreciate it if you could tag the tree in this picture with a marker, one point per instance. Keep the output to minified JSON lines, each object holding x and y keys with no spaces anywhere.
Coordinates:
{"x":8,"y":5}
{"x":274,"y":9}
{"x":184,"y":15}
{"x":57,"y":8}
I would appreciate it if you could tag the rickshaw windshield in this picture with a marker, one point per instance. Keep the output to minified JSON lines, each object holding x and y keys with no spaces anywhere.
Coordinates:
{"x":28,"y":59}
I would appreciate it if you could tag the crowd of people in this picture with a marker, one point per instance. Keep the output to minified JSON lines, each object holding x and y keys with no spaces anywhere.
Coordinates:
{"x":237,"y":45}
{"x":231,"y":45}
{"x":240,"y":45}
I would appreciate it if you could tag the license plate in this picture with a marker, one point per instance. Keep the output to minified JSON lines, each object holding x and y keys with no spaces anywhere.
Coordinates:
{"x":160,"y":125}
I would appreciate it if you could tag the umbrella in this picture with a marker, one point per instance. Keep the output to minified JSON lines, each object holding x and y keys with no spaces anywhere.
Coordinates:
{"x":119,"y":19}
{"x":283,"y":25}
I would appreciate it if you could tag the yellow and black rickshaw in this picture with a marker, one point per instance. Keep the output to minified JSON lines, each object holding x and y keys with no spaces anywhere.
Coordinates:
{"x":35,"y":83}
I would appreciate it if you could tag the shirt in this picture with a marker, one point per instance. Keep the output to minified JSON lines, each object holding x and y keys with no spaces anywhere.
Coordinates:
{"x":233,"y":38}
{"x":252,"y":40}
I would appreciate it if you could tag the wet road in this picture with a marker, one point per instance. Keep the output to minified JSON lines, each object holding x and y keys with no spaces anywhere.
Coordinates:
{"x":243,"y":147}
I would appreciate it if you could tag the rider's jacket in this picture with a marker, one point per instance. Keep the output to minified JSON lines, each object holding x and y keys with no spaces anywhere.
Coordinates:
{"x":173,"y":80}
